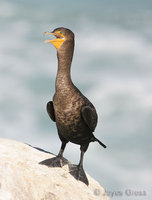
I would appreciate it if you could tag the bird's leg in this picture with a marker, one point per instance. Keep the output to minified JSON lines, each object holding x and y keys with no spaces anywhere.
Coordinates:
{"x":80,"y":165}
{"x":77,"y":170}
{"x":60,"y":154}
{"x":81,"y":173}
{"x":57,"y":161}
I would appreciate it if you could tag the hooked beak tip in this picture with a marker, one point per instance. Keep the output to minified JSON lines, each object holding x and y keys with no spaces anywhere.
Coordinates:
{"x":48,"y":33}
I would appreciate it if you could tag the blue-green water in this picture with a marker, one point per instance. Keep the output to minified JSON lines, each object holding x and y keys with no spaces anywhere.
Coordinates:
{"x":112,"y":66}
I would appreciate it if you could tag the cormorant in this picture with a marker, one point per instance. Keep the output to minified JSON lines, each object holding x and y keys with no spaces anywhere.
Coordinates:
{"x":74,"y":114}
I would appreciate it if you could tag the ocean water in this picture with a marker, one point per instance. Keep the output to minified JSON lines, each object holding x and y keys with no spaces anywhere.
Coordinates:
{"x":112,"y":66}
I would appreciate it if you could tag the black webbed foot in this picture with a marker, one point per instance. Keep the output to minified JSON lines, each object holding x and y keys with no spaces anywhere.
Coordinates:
{"x":78,"y":173}
{"x":55,"y":162}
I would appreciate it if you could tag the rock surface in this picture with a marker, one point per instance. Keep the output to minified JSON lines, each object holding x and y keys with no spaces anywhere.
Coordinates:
{"x":23,"y":178}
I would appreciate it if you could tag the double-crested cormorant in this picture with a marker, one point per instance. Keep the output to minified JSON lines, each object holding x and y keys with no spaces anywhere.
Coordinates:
{"x":74,"y":114}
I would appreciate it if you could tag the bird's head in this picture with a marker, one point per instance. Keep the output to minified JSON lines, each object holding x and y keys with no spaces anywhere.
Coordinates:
{"x":61,"y":34}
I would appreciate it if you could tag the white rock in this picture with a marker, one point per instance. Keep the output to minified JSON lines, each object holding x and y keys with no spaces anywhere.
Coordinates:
{"x":23,"y":178}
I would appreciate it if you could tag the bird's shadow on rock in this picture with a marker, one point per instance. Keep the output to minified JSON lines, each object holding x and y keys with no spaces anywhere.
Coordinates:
{"x":39,"y":149}
{"x":58,"y":162}
{"x":74,"y":170}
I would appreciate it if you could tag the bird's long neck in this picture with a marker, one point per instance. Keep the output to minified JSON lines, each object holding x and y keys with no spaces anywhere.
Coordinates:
{"x":64,"y":55}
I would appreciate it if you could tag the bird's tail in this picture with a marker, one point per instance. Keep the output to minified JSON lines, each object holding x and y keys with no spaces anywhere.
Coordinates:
{"x":94,"y":139}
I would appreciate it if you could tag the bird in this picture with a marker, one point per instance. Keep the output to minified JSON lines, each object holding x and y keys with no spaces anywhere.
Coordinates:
{"x":75,"y":116}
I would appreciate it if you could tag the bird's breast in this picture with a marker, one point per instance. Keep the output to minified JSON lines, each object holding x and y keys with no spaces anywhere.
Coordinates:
{"x":69,"y":120}
{"x":67,"y":106}
{"x":68,"y":111}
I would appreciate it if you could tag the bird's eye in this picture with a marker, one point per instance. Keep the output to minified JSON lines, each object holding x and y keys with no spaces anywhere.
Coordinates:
{"x":61,"y":32}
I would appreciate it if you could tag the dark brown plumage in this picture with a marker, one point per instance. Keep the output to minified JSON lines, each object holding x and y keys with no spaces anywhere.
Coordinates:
{"x":74,"y":114}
